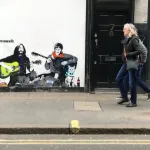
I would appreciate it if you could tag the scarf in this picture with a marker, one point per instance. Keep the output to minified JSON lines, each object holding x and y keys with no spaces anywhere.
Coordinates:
{"x":61,"y":55}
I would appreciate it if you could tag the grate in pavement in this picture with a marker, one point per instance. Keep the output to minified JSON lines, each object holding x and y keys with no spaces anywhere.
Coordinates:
{"x":86,"y":106}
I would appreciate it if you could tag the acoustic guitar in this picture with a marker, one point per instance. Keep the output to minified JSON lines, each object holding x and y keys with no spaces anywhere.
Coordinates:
{"x":6,"y":72}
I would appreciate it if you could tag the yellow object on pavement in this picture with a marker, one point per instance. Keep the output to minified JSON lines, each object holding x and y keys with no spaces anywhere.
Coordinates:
{"x":74,"y":126}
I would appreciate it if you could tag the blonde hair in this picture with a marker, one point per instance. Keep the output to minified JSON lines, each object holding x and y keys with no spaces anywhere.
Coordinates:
{"x":132,"y":29}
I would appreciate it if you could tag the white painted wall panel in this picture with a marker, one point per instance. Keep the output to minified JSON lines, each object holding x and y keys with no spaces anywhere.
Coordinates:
{"x":39,"y":24}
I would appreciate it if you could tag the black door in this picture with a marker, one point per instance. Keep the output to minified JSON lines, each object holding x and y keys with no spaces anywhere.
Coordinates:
{"x":108,"y":47}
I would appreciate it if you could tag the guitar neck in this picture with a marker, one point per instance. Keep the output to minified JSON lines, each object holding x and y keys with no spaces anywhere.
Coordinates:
{"x":43,"y":56}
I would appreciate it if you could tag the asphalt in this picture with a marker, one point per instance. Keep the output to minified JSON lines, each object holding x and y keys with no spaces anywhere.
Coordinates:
{"x":78,"y":142}
{"x":53,"y":113}
{"x":75,"y":142}
{"x":75,"y":147}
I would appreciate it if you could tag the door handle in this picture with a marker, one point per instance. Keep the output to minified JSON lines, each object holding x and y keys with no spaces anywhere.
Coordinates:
{"x":96,"y":42}
{"x":95,"y":35}
{"x":96,"y":39}
{"x":95,"y":62}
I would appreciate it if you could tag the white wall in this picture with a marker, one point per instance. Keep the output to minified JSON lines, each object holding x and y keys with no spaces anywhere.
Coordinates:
{"x":141,"y":11}
{"x":39,"y":24}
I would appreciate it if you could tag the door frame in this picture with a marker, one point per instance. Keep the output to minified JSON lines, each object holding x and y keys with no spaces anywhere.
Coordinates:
{"x":89,"y":43}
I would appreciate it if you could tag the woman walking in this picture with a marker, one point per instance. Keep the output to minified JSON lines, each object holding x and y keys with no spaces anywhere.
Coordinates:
{"x":131,"y":53}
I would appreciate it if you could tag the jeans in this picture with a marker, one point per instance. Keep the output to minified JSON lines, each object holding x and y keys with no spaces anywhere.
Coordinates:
{"x":120,"y":80}
{"x":132,"y":84}
{"x":139,"y":81}
{"x":123,"y":76}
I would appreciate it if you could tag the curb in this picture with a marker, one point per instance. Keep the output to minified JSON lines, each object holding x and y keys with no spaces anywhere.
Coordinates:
{"x":34,"y":130}
{"x":69,"y":131}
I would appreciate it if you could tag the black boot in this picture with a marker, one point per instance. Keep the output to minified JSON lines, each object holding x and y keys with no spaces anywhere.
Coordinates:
{"x":131,"y":105}
{"x":148,"y":99}
{"x":120,"y":97}
{"x":123,"y":101}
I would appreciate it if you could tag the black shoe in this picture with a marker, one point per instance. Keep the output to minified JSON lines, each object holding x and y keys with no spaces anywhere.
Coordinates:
{"x":131,"y":105}
{"x":148,"y":99}
{"x":123,"y":101}
{"x":120,"y":97}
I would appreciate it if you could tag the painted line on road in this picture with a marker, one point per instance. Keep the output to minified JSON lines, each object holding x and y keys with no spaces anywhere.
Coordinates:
{"x":74,"y":142}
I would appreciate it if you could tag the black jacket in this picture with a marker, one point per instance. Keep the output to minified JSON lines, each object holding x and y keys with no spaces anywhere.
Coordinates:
{"x":132,"y":52}
{"x":56,"y":67}
{"x":132,"y":48}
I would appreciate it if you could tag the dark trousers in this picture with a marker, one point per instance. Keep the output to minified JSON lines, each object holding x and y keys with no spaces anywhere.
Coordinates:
{"x":132,"y":84}
{"x":139,"y":81}
{"x":123,"y":80}
{"x":120,"y":80}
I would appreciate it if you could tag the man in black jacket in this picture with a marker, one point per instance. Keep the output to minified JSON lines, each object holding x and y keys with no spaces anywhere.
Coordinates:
{"x":20,"y":57}
{"x":58,"y":61}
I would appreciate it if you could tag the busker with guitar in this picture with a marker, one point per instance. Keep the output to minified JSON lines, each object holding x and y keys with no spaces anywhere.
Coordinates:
{"x":23,"y":62}
{"x":58,"y":61}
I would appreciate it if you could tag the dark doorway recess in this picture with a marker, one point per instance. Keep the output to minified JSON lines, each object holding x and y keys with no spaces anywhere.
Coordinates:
{"x":105,"y":20}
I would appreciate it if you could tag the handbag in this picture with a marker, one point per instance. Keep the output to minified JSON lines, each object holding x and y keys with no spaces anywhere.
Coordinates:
{"x":132,"y":64}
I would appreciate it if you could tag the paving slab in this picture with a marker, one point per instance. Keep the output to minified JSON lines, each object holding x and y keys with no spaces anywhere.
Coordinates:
{"x":86,"y":106}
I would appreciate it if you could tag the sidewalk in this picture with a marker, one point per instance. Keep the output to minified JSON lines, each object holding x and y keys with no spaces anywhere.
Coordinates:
{"x":46,"y":112}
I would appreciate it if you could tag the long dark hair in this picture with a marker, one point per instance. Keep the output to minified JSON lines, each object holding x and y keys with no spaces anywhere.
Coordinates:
{"x":16,"y":50}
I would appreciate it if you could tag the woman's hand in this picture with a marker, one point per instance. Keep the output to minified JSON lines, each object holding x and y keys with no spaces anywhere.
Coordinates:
{"x":125,"y":54}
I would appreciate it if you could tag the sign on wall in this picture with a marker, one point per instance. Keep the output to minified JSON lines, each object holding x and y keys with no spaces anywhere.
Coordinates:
{"x":42,"y":43}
